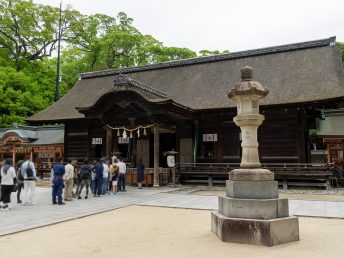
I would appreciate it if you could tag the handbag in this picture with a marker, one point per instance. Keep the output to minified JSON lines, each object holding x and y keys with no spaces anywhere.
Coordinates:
{"x":15,"y":188}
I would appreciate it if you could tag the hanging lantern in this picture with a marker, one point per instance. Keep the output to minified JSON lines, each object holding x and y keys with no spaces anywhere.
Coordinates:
{"x":138,"y":133}
{"x":144,"y":132}
{"x":131,"y":134}
{"x":124,"y":135}
{"x":118,"y":133}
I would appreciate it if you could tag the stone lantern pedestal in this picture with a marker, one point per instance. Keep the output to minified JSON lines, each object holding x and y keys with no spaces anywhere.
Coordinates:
{"x":251,"y":212}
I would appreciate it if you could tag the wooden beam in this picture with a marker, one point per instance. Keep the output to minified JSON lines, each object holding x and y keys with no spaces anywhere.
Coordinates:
{"x":156,"y":156}
{"x":108,"y":142}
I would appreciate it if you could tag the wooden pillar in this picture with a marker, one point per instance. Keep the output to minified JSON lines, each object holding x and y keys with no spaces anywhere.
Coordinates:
{"x":156,"y":156}
{"x":329,"y":153}
{"x":108,"y":142}
{"x":178,"y":133}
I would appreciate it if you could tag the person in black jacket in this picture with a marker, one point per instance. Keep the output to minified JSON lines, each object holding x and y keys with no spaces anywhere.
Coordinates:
{"x":140,"y":173}
{"x":85,"y":178}
{"x":20,"y":180}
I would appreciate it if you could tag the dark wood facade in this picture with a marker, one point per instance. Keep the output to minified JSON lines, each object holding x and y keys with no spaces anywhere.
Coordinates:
{"x":283,"y":137}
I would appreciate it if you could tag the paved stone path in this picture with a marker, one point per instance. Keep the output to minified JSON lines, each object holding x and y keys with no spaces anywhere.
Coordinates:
{"x":21,"y":218}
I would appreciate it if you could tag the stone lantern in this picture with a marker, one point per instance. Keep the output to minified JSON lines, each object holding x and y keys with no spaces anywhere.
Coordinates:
{"x":251,"y":212}
{"x":247,"y":94}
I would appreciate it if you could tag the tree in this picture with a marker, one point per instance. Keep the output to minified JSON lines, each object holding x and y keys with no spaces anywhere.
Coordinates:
{"x":205,"y":52}
{"x":21,"y":96}
{"x":28,"y":39}
{"x":29,"y":31}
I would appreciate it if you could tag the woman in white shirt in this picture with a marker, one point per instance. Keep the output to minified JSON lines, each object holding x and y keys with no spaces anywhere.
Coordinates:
{"x":8,"y":175}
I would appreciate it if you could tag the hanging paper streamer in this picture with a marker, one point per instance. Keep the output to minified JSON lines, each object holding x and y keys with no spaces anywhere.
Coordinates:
{"x":131,"y":130}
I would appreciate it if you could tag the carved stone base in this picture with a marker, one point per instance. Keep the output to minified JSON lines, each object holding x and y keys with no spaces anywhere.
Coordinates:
{"x":255,"y":232}
{"x":252,"y":189}
{"x":246,"y":174}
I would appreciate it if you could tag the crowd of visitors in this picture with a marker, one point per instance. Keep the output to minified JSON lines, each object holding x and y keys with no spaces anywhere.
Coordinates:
{"x":15,"y":180}
{"x":102,"y":177}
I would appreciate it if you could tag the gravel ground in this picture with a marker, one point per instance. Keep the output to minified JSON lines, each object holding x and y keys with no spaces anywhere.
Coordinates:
{"x":162,"y":232}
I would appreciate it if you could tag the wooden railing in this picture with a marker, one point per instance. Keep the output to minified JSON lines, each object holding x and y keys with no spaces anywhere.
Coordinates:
{"x":166,"y":176}
{"x":303,"y":174}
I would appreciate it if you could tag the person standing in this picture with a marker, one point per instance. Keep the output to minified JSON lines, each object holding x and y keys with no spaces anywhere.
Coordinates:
{"x":98,"y":179}
{"x":77,"y":179}
{"x":85,"y":178}
{"x":68,"y":179}
{"x":114,"y":174}
{"x":93,"y":177}
{"x":122,"y":169}
{"x":20,"y":180}
{"x":57,"y":181}
{"x":29,"y":174}
{"x":106,"y":171}
{"x":140,"y":176}
{"x":8,"y":176}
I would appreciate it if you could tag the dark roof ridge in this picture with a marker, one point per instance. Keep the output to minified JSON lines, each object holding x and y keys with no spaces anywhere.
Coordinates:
{"x":35,"y":128}
{"x":198,"y":60}
{"x":123,"y":79}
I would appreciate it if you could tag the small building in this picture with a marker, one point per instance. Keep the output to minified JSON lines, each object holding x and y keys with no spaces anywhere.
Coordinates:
{"x":43,"y":143}
{"x":145,"y":111}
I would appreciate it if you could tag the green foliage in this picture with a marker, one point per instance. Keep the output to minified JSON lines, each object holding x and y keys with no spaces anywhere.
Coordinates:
{"x":205,"y":52}
{"x":21,"y":96}
{"x":341,"y":45}
{"x":28,"y":41}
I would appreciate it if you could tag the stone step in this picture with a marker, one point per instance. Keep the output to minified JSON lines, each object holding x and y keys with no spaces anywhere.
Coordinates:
{"x":253,"y":208}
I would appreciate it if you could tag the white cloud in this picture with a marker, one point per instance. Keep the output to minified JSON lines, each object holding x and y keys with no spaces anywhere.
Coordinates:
{"x":225,"y":24}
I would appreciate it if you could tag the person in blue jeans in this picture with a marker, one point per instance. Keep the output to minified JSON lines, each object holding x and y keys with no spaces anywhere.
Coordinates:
{"x":98,"y":180}
{"x":57,"y":181}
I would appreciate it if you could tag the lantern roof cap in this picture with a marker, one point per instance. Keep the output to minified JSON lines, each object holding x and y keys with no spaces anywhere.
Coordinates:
{"x":247,"y":86}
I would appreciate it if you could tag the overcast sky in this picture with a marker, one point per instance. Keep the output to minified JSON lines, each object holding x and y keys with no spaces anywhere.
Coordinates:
{"x":225,"y":24}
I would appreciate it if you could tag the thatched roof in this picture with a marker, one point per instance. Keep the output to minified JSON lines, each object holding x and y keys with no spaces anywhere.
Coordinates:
{"x":295,"y":73}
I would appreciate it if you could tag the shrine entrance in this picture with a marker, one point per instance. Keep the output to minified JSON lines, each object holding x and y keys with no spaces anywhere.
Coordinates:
{"x":140,"y":123}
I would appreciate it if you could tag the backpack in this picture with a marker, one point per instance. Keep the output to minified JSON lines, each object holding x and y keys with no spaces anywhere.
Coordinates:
{"x":29,"y":171}
{"x":85,"y":172}
{"x":20,"y":176}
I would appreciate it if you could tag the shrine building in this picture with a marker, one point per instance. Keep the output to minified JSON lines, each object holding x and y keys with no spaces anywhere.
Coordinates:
{"x":142,"y":112}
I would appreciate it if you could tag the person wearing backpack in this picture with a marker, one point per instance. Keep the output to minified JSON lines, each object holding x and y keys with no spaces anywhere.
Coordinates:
{"x":85,"y":178}
{"x":29,"y":174}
